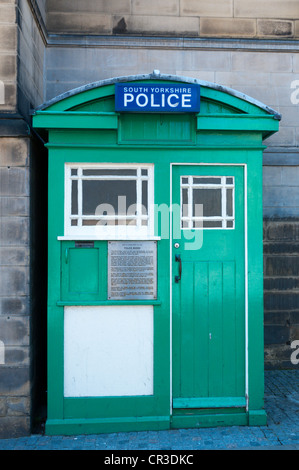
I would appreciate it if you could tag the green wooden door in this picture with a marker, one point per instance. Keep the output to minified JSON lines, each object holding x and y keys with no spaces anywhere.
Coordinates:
{"x":208,"y":271}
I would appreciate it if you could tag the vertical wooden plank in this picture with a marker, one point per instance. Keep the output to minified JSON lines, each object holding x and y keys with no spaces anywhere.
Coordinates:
{"x":187,"y":330}
{"x":201,"y":330}
{"x":215,"y":327}
{"x":240,"y":329}
{"x":176,"y":288}
{"x":176,"y":338}
{"x":55,"y":317}
{"x":229,"y":356}
{"x":240,"y":284}
{"x":255,"y":285}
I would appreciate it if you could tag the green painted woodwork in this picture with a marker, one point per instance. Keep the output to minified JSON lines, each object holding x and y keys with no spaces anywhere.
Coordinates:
{"x":204,"y":403}
{"x":70,"y":427}
{"x":237,"y":122}
{"x":209,"y":301}
{"x":209,"y":420}
{"x":76,"y":120}
{"x":206,"y":379}
{"x":170,"y":130}
{"x":63,"y":303}
{"x":83,"y":272}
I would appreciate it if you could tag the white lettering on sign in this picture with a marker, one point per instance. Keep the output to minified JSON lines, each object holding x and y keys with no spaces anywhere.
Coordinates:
{"x":132,"y":270}
{"x":157,"y":98}
{"x":142,"y":102}
{"x":171,"y":103}
{"x":156,"y":105}
{"x":158,"y":101}
{"x":186,"y":101}
{"x":128,"y":98}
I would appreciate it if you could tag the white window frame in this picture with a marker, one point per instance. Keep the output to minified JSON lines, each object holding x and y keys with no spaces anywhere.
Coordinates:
{"x":110,"y":232}
{"x":224,"y":218}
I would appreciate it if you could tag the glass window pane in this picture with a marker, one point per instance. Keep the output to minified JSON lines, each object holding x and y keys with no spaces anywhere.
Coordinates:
{"x":207,"y":203}
{"x":229,"y":202}
{"x":185,"y":202}
{"x":212,"y":224}
{"x":126,"y":222}
{"x":198,"y":224}
{"x":74,"y":172}
{"x":103,"y":172}
{"x":105,"y":222}
{"x":206,"y":180}
{"x":89,"y":222}
{"x":74,"y":209}
{"x":144,"y":197}
{"x":118,"y":194}
{"x":210,"y":200}
{"x":144,"y":172}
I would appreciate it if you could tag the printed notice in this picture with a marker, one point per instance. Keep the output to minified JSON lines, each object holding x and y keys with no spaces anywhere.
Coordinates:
{"x":132,"y":270}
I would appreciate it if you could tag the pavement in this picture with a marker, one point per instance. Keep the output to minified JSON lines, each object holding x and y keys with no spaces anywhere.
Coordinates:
{"x":281,"y":432}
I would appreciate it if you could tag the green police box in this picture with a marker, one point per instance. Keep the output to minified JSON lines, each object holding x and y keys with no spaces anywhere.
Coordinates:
{"x":155,"y":270}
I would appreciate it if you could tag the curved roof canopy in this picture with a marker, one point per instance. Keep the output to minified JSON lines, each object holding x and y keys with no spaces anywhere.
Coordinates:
{"x":239,"y":106}
{"x":156,"y":75}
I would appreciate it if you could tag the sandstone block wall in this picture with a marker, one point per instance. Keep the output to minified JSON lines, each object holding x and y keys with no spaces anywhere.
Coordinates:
{"x":21,"y":88}
{"x":8,"y":56}
{"x":220,"y":18}
{"x":15,"y":384}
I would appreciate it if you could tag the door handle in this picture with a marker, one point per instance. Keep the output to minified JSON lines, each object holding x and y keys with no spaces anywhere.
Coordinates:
{"x":178,"y":260}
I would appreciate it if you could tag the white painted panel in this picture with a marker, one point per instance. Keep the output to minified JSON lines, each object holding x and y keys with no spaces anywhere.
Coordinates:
{"x":108,"y":351}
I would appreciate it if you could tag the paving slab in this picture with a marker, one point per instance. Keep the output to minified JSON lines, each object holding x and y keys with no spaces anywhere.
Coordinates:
{"x":281,"y":432}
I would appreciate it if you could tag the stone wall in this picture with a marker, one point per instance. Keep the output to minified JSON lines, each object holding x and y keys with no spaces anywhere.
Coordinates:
{"x":8,"y":56}
{"x":15,"y":401}
{"x":21,"y":77}
{"x":281,"y":290}
{"x":220,"y":18}
{"x":31,"y":57}
{"x":127,"y":37}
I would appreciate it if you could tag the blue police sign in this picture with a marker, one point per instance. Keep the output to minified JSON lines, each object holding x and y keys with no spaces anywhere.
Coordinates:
{"x":157,"y":98}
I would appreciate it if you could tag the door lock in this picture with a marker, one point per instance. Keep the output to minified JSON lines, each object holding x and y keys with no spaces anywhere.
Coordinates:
{"x":177,"y":245}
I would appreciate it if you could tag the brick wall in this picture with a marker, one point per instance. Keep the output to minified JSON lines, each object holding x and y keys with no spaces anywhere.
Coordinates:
{"x":204,"y":18}
{"x":281,"y":290}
